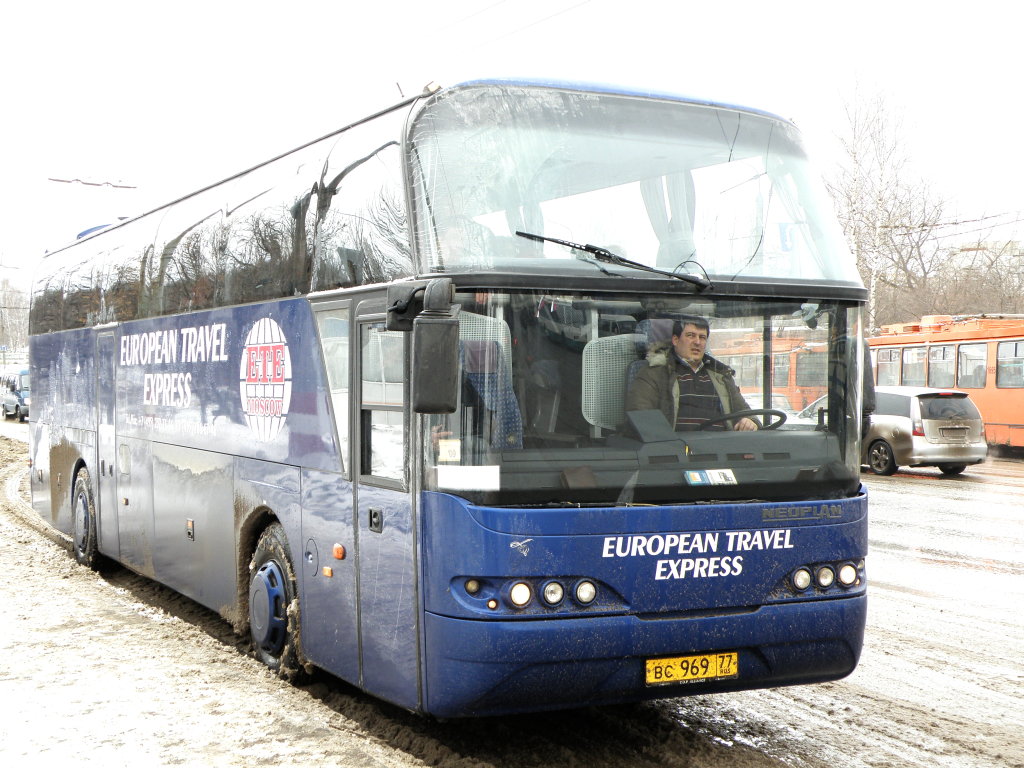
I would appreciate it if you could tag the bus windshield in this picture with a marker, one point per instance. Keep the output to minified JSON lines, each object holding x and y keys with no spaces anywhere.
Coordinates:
{"x":575,"y":398}
{"x":691,"y":188}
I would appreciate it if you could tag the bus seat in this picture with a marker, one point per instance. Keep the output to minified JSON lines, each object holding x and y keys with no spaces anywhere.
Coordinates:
{"x":651,"y":331}
{"x":486,"y":374}
{"x":547,"y":391}
{"x":605,"y":364}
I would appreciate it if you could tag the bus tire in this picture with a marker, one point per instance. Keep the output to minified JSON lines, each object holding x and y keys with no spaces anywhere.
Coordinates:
{"x":880,"y":458}
{"x":952,"y":469}
{"x":273,"y":604}
{"x":83,"y":541}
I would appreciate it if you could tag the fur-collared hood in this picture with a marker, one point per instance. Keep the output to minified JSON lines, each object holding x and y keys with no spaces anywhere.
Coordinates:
{"x":661,"y":353}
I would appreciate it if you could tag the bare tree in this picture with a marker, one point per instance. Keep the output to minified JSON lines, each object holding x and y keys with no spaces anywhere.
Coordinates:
{"x":984,"y":276}
{"x":892,"y":220}
{"x":13,"y":316}
{"x":912,"y":256}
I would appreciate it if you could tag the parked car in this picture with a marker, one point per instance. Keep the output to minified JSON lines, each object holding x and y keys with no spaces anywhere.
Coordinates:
{"x":924,"y":427}
{"x":16,"y":395}
{"x":917,"y":427}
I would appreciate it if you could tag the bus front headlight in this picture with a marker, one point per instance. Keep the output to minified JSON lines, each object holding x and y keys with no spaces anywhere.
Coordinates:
{"x":586,"y":592}
{"x":520,"y":594}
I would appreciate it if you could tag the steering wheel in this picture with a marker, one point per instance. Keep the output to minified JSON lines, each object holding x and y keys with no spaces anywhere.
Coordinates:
{"x":780,"y":415}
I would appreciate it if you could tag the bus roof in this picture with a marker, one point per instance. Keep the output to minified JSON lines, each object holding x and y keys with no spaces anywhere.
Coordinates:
{"x":429,"y":90}
{"x":935,"y":328}
{"x":618,"y":90}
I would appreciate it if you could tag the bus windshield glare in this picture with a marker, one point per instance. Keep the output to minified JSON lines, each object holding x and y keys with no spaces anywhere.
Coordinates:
{"x":717,"y":192}
{"x":551,"y":409}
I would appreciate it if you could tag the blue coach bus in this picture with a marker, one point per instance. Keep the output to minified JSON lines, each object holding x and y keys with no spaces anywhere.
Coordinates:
{"x":367,"y":401}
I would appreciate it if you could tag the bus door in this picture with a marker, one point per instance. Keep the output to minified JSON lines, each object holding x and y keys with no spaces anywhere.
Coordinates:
{"x":388,"y":579}
{"x":330,"y":604}
{"x":106,"y":450}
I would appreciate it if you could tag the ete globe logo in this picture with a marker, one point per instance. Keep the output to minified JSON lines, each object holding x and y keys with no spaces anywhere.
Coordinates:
{"x":265,"y":379}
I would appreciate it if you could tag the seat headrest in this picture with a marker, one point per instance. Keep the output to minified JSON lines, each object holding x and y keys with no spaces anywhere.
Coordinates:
{"x":480,"y":356}
{"x":657,"y":329}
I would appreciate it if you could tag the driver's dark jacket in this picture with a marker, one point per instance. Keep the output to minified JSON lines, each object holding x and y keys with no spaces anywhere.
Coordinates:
{"x":657,"y":386}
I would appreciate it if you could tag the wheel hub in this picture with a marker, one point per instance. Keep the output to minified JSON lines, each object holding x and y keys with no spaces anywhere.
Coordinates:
{"x":268,"y":620}
{"x":81,"y":524}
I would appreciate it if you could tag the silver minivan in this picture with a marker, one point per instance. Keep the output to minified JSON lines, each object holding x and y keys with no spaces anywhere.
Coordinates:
{"x":924,"y":427}
{"x":15,"y":397}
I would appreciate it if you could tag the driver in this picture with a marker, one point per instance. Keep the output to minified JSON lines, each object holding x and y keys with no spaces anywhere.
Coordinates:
{"x":687,"y":384}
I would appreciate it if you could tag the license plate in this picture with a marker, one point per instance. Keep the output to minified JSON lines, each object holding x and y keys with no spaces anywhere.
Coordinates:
{"x":688,"y":669}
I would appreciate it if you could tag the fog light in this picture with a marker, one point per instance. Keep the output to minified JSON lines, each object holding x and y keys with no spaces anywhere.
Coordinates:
{"x":586,"y":592}
{"x":553,"y":593}
{"x":520,"y":594}
{"x":472,"y":586}
{"x":847,"y":575}
{"x":802,"y":579}
{"x":826,"y":577}
{"x":492,"y":604}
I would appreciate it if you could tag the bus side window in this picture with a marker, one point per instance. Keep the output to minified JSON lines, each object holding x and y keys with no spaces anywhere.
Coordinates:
{"x":357,"y":218}
{"x":970,"y":365}
{"x":334,"y":340}
{"x":887,"y":367}
{"x":1010,"y":364}
{"x":940,"y":366}
{"x":382,"y":403}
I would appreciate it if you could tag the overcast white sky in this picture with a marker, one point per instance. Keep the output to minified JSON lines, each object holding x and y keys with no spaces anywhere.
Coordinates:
{"x":168,"y":97}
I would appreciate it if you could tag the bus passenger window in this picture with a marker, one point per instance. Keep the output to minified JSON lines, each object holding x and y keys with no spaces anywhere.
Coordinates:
{"x":970,"y":366}
{"x":1010,"y":364}
{"x":887,"y":367}
{"x":913,"y":367}
{"x":940,"y":366}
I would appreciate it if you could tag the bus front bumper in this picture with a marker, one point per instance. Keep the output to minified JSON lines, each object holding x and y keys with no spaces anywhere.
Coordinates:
{"x":476,"y":668}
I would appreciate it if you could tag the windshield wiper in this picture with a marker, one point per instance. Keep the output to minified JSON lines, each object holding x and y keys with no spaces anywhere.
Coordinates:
{"x":603,"y":254}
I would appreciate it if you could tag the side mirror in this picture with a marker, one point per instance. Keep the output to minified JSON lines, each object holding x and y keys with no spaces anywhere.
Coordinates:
{"x":435,"y":351}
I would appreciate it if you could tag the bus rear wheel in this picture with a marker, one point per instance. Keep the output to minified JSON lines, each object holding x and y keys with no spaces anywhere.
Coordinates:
{"x":273,"y":606}
{"x":83,"y":541}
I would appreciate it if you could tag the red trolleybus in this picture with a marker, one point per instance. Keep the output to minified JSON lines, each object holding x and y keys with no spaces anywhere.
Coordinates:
{"x":980,"y":354}
{"x":366,"y":400}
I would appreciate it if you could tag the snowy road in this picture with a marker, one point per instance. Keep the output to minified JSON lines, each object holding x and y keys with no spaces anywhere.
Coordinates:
{"x":114,"y":670}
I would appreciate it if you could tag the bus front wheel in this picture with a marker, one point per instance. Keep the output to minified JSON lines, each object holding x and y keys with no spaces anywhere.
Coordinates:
{"x":84,"y":535}
{"x":273,"y":604}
